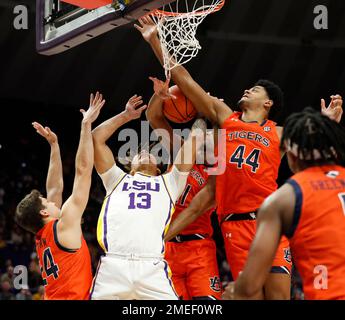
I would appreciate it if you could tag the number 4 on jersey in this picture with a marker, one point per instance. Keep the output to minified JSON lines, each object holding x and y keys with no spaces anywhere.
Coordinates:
{"x":251,"y":160}
{"x":50,"y":267}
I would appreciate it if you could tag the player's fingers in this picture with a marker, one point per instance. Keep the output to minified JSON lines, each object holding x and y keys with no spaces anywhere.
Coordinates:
{"x":153,"y":79}
{"x":96,"y":97}
{"x":133,"y":97}
{"x":100,"y":105}
{"x":82,"y":111}
{"x":151,"y":19}
{"x":323,"y":104}
{"x":91,"y":99}
{"x":145,"y":19}
{"x":137,"y":27}
{"x":137,"y":100}
{"x":141,"y":22}
{"x":141,"y":109}
{"x":36,"y":125}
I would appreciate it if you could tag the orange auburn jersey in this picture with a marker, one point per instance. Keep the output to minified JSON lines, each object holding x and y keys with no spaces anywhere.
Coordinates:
{"x":196,"y":180}
{"x":66,"y":273}
{"x":252,"y":160}
{"x":318,"y":231}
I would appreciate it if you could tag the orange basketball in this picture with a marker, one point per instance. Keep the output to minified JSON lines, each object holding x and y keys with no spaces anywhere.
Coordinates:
{"x":178,"y":110}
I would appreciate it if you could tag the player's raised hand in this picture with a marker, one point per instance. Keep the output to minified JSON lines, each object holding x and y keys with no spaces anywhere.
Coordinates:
{"x":161,"y":88}
{"x":45,"y":132}
{"x":134,"y":107}
{"x":96,"y":104}
{"x":334,"y":111}
{"x":147,"y":28}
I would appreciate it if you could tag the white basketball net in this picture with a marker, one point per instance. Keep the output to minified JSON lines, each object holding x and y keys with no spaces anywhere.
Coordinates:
{"x":177,"y":24}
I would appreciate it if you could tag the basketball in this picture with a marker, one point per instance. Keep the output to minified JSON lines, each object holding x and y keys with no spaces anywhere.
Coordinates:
{"x":179,"y":110}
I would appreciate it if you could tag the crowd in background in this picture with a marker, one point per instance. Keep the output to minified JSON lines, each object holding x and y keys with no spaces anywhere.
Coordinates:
{"x":17,"y":247}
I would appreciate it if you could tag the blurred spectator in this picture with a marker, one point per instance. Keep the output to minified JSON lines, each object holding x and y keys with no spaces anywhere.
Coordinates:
{"x":39,"y":295}
{"x":24,"y":294}
{"x":8,"y":276}
{"x":6,"y":291}
{"x":35,"y":279}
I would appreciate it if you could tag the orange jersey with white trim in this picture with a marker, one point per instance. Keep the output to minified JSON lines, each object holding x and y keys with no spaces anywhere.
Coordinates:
{"x":252,"y":159}
{"x":196,"y":180}
{"x":66,"y":273}
{"x":318,"y":232}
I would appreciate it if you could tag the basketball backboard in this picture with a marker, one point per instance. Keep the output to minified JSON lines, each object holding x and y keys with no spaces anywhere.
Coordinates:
{"x":61,"y":26}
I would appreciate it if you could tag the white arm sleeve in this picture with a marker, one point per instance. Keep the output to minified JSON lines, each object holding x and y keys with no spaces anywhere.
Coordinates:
{"x":175,"y":181}
{"x":111,"y":177}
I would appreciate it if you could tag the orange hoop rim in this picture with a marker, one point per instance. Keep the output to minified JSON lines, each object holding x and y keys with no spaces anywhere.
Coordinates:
{"x":197,"y":12}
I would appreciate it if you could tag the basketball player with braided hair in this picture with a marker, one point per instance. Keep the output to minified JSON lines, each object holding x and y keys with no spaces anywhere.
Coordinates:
{"x":252,"y":159}
{"x":309,"y":209}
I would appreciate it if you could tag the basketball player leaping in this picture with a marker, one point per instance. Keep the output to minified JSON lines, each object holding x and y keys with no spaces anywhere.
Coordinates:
{"x":135,"y":216}
{"x":252,"y":160}
{"x":191,"y":253}
{"x":309,"y":209}
{"x":62,"y":251}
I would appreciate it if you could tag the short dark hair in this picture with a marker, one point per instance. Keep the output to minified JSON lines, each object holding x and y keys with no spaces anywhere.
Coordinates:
{"x":28,"y":210}
{"x":275,"y":94}
{"x":311,"y":131}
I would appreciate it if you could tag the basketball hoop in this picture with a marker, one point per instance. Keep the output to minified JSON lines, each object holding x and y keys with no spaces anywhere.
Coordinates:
{"x":177,"y":24}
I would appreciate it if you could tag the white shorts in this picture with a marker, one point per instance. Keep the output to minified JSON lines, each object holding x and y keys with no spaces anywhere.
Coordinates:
{"x":129,"y":278}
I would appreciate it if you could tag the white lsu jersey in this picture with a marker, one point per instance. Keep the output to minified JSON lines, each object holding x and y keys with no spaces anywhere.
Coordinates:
{"x":137,"y":211}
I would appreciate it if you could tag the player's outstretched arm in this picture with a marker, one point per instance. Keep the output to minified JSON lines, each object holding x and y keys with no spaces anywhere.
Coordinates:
{"x":186,"y":156}
{"x":69,"y":228}
{"x":334,"y":111}
{"x":214,"y":109}
{"x":54,"y":182}
{"x":154,"y":114}
{"x":274,"y":219}
{"x":104,"y":158}
{"x":203,"y":201}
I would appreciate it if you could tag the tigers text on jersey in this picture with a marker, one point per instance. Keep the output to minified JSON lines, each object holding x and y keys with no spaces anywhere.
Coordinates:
{"x":137,"y":211}
{"x":318,"y":232}
{"x":252,"y":163}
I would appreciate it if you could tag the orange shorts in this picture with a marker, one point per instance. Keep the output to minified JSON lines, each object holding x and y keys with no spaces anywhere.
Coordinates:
{"x":238,"y":236}
{"x":194,"y":269}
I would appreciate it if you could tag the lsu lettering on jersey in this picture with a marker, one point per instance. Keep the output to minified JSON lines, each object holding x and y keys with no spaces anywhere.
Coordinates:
{"x":137,"y":211}
{"x":252,"y":161}
{"x":318,"y":231}
{"x":66,"y":273}
{"x":196,"y":180}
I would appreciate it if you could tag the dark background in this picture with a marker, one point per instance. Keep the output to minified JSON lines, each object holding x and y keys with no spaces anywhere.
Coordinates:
{"x":245,"y":41}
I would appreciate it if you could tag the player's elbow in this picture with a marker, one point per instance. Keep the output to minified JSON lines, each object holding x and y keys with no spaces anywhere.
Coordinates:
{"x":97,"y":136}
{"x":150,"y":115}
{"x":83,"y":168}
